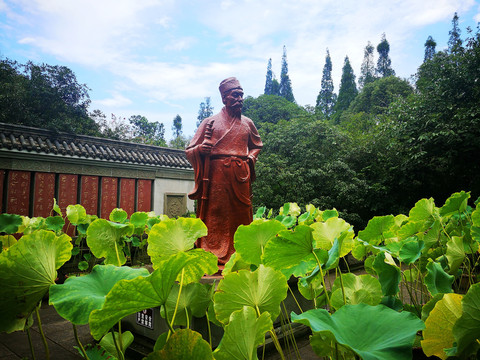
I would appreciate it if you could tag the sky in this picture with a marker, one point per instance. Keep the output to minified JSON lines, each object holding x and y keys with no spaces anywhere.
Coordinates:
{"x":160,"y":58}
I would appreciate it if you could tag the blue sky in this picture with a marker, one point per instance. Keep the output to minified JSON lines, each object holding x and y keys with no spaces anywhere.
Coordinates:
{"x":160,"y":58}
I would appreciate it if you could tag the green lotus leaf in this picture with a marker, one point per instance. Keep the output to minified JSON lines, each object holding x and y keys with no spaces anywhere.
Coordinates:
{"x":235,"y":263}
{"x":410,"y":229}
{"x":455,"y":253}
{"x":193,"y":301}
{"x":7,"y":241}
{"x":130,"y":296}
{"x":172,"y":236}
{"x":290,"y":248}
{"x":96,"y":352}
{"x":411,"y":250}
{"x":286,"y":220}
{"x":243,"y":334}
{"x":54,"y":223}
{"x":108,"y":344}
{"x":373,"y":332}
{"x":250,"y":240}
{"x":202,"y":262}
{"x":428,"y":307}
{"x":467,"y":328}
{"x":118,"y":215}
{"x":378,"y":229}
{"x":9,"y":223}
{"x":56,"y":208}
{"x":326,"y":232}
{"x":310,"y":288}
{"x":262,"y":289}
{"x":76,"y":214}
{"x":139,"y":219}
{"x":327,"y":214}
{"x":28,"y":269}
{"x":437,"y":280}
{"x":362,"y":289}
{"x":75,"y":299}
{"x":183,"y":344}
{"x":457,"y":203}
{"x":424,"y":212}
{"x":389,"y":274}
{"x":438,"y":334}
{"x":104,"y":238}
{"x":325,"y":345}
{"x":334,"y":253}
{"x":259,"y":213}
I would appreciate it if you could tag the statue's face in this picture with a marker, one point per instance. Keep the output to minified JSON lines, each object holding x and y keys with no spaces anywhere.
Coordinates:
{"x":234,"y":99}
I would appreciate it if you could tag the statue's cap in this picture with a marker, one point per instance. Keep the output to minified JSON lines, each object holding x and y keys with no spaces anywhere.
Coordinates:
{"x":229,"y":84}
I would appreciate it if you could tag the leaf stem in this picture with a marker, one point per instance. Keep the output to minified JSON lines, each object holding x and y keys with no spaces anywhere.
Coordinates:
{"x":119,"y":353}
{"x":176,"y":304}
{"x":82,"y":349}
{"x":44,"y":339}
{"x":209,"y":330}
{"x":323,"y":280}
{"x":30,"y":343}
{"x":343,"y":287}
{"x":294,"y":298}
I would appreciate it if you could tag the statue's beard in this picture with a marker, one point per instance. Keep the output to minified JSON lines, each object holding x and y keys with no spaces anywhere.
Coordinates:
{"x":235,"y":109}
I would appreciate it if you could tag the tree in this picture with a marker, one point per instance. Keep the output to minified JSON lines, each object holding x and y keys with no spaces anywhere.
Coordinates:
{"x":116,"y":128}
{"x":348,"y":88}
{"x":269,"y":79}
{"x":326,"y":99}
{"x":177,"y":126}
{"x":455,"y":42}
{"x":285,"y":83}
{"x":367,"y":71}
{"x":384,"y":64}
{"x":430,"y":45}
{"x":146,"y":132}
{"x":205,"y":111}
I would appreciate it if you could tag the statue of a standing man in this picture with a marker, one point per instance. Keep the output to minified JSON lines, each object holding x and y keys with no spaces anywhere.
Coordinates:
{"x":223,"y":153}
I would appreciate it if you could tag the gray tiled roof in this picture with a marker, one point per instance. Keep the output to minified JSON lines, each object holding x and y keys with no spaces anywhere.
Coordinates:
{"x":42,"y":141}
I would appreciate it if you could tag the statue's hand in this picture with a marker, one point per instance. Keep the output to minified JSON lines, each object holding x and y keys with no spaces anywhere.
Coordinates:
{"x":205,"y":149}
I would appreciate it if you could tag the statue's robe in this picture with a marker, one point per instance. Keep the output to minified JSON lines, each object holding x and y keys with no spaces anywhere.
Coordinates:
{"x":236,"y":145}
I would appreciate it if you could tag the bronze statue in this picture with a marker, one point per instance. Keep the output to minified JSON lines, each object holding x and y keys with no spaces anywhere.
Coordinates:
{"x":223,"y":153}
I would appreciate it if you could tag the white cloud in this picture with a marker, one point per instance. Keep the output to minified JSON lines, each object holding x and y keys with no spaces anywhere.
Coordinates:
{"x":117,"y":100}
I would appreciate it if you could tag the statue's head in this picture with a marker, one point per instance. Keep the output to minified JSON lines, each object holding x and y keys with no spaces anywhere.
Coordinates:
{"x":232,"y":94}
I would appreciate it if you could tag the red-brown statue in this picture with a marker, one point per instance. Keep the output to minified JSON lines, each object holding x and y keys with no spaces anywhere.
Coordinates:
{"x":223,"y":153}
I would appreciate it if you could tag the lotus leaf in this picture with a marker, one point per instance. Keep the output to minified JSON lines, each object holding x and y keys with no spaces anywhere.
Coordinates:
{"x":411,"y":250}
{"x":250,"y":240}
{"x":364,"y":289}
{"x":437,"y":280}
{"x":27,"y":270}
{"x":389,"y":275}
{"x":457,"y":203}
{"x":424,"y":212}
{"x":54,"y":223}
{"x":129,"y":296}
{"x":290,"y":248}
{"x":439,"y":324}
{"x":193,"y":301}
{"x":378,"y":229}
{"x":335,"y":252}
{"x":76,"y":214}
{"x":79,"y":296}
{"x":467,"y":328}
{"x":262,"y":289}
{"x":184,"y":344}
{"x":235,"y":263}
{"x":139,"y":219}
{"x":108,"y":344}
{"x":326,"y":232}
{"x":9,"y":223}
{"x":373,"y":332}
{"x":243,"y":334}
{"x":96,"y":352}
{"x":104,"y":239}
{"x":409,"y":229}
{"x":118,"y":215}
{"x":7,"y":241}
{"x":327,"y":214}
{"x":455,"y":253}
{"x":202,"y":262}
{"x":172,"y":236}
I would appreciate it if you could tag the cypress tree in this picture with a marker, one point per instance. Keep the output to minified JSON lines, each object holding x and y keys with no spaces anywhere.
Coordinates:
{"x":205,"y":111}
{"x":269,"y":79}
{"x":326,"y":98}
{"x":384,"y":64}
{"x":455,"y":42}
{"x":177,"y":126}
{"x":348,"y":88}
{"x":285,"y":83}
{"x":367,"y":71}
{"x":430,"y":45}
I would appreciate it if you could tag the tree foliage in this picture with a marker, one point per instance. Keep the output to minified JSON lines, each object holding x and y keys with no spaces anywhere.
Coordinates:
{"x":430,"y":45}
{"x":384,"y":63}
{"x":147,"y":132}
{"x":285,"y":89}
{"x":326,"y":99}
{"x":205,"y":111}
{"x":454,"y":41}
{"x":367,"y":71}
{"x":348,"y":87}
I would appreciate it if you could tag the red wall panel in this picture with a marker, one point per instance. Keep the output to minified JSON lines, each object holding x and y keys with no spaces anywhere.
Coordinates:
{"x":18,"y":194}
{"x":2,"y":177}
{"x":144,"y":196}
{"x":127,"y":195}
{"x":108,"y":201}
{"x":67,"y":195}
{"x":43,"y":194}
{"x":89,"y":194}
